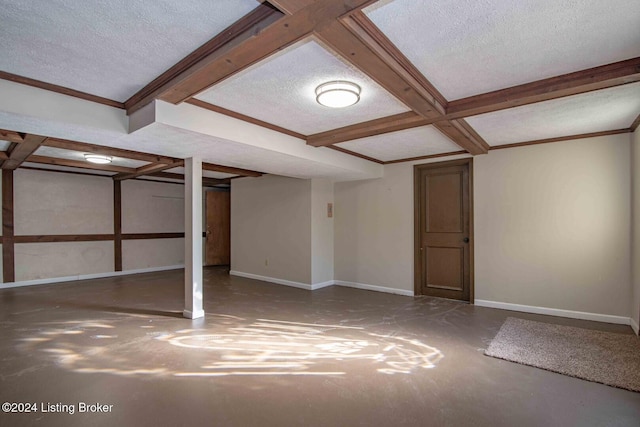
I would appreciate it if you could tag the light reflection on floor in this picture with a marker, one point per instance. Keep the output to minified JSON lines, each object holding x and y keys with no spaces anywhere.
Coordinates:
{"x":229,"y":346}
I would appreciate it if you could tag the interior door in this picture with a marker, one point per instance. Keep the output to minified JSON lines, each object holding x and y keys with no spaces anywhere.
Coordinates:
{"x":218,"y":228}
{"x":443,"y":259}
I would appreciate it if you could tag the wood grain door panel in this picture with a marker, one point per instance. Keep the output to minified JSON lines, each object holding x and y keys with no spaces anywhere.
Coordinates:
{"x":218,"y":228}
{"x":443,"y":230}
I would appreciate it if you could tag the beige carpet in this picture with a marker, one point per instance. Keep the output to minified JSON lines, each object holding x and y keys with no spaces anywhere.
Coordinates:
{"x":603,"y":357}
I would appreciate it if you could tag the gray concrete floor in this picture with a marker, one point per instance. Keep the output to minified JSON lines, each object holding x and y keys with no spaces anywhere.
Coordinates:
{"x":272,"y":355}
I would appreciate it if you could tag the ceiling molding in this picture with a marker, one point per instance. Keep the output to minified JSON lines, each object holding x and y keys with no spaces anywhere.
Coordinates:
{"x":231,"y":170}
{"x":561,"y":138}
{"x":18,"y":153}
{"x":379,"y":126}
{"x":246,"y":28}
{"x":60,"y":89}
{"x":148,"y":170}
{"x":353,"y":153}
{"x":429,"y":156}
{"x":603,"y":77}
{"x":77,"y":164}
{"x":239,"y":116}
{"x":107,"y":151}
{"x":11,"y":136}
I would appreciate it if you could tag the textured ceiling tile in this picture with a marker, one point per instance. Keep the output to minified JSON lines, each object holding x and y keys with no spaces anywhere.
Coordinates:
{"x":281,"y":91}
{"x":603,"y":110}
{"x":416,"y":142}
{"x":107,"y":48}
{"x":467,"y":47}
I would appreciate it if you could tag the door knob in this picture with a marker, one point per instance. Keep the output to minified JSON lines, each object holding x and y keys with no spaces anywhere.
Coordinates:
{"x":466,"y":240}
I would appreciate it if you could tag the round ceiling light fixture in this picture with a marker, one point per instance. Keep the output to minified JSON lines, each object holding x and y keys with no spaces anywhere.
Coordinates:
{"x":338,"y":94}
{"x":97,"y":158}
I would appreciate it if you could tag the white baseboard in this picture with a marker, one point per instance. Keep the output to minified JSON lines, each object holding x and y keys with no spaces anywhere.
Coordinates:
{"x":322,"y":285}
{"x":635,"y":326}
{"x":87,"y":276}
{"x":299,"y":285}
{"x":374,"y":288}
{"x":606,"y":318}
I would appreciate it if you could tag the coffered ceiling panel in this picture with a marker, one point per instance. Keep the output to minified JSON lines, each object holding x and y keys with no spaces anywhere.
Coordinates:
{"x":416,"y":142}
{"x":468,"y":47}
{"x":61,"y":153}
{"x":281,"y":91}
{"x":107,"y":48}
{"x":599,"y":111}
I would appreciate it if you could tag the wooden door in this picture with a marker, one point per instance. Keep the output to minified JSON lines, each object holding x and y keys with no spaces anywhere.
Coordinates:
{"x":443,"y":222}
{"x":218,"y":228}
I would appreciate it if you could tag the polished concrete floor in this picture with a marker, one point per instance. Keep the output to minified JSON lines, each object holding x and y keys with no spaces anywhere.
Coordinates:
{"x":272,"y":355}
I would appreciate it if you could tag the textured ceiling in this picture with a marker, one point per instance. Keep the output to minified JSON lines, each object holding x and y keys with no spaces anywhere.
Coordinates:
{"x":176,"y":142}
{"x":79,"y":155}
{"x":467,"y":47}
{"x":603,"y":110}
{"x":107,"y":48}
{"x":281,"y":91}
{"x":416,"y":142}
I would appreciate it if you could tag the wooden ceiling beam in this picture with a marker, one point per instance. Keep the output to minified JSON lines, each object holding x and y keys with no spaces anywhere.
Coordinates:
{"x":352,"y":49}
{"x":11,"y":136}
{"x":148,"y":170}
{"x":252,"y":45}
{"x":18,"y":153}
{"x":363,"y":28}
{"x":370,"y":128}
{"x":606,"y":76}
{"x":603,"y":77}
{"x":107,"y":151}
{"x":77,"y":164}
{"x":360,"y":42}
{"x":185,"y":72}
{"x":463,"y":134}
{"x":290,"y":6}
{"x":230,"y":170}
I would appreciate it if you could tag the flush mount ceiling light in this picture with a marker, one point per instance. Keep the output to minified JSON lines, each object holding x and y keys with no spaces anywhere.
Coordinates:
{"x":338,"y":94}
{"x":97,"y":158}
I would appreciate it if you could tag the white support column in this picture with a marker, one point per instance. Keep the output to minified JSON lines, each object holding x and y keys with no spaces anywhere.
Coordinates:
{"x":193,"y":238}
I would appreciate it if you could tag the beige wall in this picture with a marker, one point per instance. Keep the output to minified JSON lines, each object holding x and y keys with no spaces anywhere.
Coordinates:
{"x":48,"y":203}
{"x":61,"y":203}
{"x":551,"y":226}
{"x":321,"y":232}
{"x":152,"y":207}
{"x":635,"y":261}
{"x":271,"y":227}
{"x":49,"y":260}
{"x":138,"y":254}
